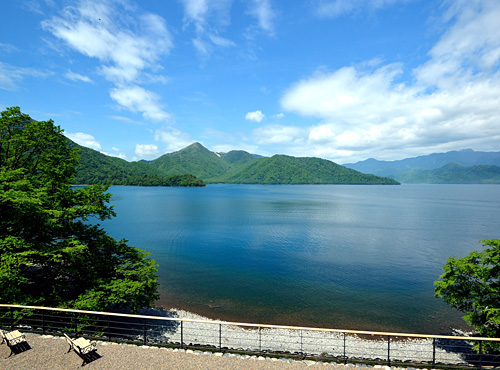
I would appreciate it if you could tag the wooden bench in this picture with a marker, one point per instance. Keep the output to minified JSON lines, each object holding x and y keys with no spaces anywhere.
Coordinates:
{"x":82,"y":347}
{"x":12,"y":338}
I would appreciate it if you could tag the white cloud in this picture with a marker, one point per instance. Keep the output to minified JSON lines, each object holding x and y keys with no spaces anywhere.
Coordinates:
{"x":256,"y":116}
{"x":77,"y":77}
{"x":83,"y":139}
{"x":349,"y":96}
{"x":146,"y":151}
{"x":278,"y":134}
{"x":173,"y":138}
{"x":470,"y":48}
{"x":126,"y":46}
{"x":453,"y":102}
{"x":279,"y":115}
{"x":138,"y":99}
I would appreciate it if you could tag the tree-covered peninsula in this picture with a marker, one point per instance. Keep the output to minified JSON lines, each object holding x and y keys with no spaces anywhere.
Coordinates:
{"x":96,"y":168}
{"x":49,"y":254}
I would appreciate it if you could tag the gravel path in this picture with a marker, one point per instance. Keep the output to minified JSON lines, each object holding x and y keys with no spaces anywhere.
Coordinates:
{"x":47,"y":352}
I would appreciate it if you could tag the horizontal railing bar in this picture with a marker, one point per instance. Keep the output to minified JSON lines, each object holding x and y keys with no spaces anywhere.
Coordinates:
{"x":262,"y":326}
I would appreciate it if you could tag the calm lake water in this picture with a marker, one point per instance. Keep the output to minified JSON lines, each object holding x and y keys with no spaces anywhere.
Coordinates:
{"x":348,"y":257}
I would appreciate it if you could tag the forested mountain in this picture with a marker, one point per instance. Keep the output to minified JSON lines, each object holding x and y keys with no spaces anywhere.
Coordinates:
{"x":240,"y":167}
{"x":237,"y":167}
{"x":453,"y":173}
{"x":282,"y":169}
{"x":466,"y":157}
{"x":97,"y":168}
{"x":194,"y":159}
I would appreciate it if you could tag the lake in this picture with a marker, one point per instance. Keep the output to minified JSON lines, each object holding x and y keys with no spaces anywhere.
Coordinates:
{"x":334,"y":256}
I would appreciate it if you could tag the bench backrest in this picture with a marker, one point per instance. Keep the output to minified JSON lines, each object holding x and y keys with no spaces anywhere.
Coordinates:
{"x":69,"y":340}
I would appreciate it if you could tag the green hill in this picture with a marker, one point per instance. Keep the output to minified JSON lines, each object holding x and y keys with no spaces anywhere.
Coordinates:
{"x":236,"y":158}
{"x":282,"y":169}
{"x":97,"y":168}
{"x":454,"y":173}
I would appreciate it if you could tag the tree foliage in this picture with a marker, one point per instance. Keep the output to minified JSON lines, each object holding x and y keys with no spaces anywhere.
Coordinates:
{"x":472,"y":285}
{"x":49,"y":254}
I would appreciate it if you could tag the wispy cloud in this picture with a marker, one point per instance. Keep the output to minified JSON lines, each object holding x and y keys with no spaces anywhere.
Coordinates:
{"x":8,"y":48}
{"x":125,"y":119}
{"x":209,"y":19}
{"x":469,"y":50}
{"x":11,"y":76}
{"x":264,"y":13}
{"x":336,"y":8}
{"x":77,"y":77}
{"x":126,"y":41}
{"x":367,"y":109}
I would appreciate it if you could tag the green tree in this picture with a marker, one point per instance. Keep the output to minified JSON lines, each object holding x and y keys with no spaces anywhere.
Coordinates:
{"x":49,"y":254}
{"x":472,"y":285}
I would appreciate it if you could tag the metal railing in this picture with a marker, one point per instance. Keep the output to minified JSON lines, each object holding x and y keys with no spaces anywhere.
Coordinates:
{"x":334,"y":345}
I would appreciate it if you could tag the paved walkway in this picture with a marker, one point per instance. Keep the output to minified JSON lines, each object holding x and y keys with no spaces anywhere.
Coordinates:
{"x":47,"y":352}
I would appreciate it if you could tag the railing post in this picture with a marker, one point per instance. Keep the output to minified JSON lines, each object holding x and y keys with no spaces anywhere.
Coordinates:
{"x":109,"y":328}
{"x":345,"y":357}
{"x":389,"y":350}
{"x":11,"y":320}
{"x":182,"y":334}
{"x":220,"y":337}
{"x":144,"y":331}
{"x":433,"y":352}
{"x":480,"y":354}
{"x":301,"y":351}
{"x":43,"y":321}
{"x":260,"y":339}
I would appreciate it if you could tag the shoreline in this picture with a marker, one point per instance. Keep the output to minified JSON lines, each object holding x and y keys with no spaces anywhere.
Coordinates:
{"x":288,"y":340}
{"x":159,"y":310}
{"x":212,"y":313}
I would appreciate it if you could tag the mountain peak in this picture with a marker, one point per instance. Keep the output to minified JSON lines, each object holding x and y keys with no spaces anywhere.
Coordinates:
{"x":196,"y":147}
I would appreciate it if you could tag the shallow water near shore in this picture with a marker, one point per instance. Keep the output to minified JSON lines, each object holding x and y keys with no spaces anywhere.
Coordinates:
{"x":334,"y":256}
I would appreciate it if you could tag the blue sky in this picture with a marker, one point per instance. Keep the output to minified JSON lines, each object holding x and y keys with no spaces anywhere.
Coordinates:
{"x":340,"y":80}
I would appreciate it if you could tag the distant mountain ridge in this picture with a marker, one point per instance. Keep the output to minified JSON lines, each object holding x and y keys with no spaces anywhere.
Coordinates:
{"x":418,"y":169}
{"x":454,"y":173}
{"x":236,"y":167}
